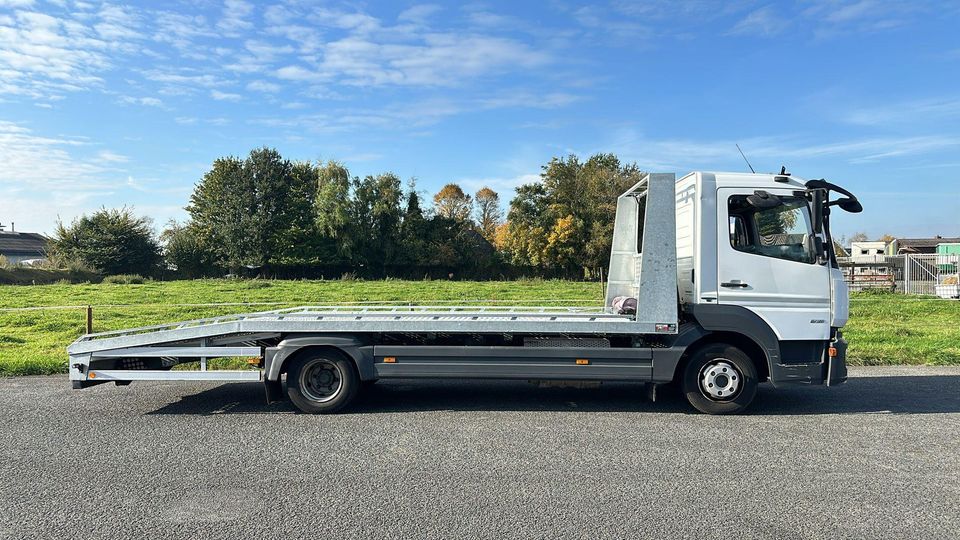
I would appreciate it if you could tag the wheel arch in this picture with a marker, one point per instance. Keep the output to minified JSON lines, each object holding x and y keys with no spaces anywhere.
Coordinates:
{"x":751,"y":348}
{"x":352,"y":348}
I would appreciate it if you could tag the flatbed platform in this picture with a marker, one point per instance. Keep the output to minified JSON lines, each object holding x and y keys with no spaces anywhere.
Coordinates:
{"x":366,"y":319}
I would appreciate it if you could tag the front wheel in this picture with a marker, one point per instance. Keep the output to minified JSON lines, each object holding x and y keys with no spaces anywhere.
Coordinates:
{"x":322,"y":383}
{"x":720,"y":379}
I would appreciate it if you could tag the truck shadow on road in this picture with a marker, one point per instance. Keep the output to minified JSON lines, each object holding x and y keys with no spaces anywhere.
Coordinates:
{"x":892,"y":395}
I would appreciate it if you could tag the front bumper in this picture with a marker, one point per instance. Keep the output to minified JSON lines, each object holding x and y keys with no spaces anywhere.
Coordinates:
{"x":828,"y":370}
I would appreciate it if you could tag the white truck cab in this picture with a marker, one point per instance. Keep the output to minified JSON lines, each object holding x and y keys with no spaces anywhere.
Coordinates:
{"x":764,"y":258}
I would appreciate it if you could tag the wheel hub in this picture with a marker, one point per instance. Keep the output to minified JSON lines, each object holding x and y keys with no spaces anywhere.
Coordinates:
{"x":720,"y":380}
{"x":320,"y":380}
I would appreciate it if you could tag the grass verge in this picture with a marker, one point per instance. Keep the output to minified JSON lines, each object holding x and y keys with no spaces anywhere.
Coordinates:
{"x":883,"y":329}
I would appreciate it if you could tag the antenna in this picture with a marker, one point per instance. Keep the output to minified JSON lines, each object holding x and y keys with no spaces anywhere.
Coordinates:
{"x":745,"y":159}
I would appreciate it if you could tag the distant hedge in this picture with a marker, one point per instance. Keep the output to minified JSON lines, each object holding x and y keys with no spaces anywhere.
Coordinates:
{"x":42,"y":276}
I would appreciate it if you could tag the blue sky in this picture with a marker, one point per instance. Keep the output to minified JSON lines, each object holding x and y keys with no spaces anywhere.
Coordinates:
{"x":110,"y":104}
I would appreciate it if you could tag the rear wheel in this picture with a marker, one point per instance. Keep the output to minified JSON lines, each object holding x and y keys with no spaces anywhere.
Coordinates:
{"x":322,"y":383}
{"x":720,"y":379}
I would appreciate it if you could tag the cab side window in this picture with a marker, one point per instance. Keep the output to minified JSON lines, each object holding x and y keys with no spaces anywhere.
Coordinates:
{"x":782,"y":231}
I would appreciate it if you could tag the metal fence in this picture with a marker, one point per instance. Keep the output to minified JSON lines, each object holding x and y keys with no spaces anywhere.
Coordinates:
{"x":926,"y":274}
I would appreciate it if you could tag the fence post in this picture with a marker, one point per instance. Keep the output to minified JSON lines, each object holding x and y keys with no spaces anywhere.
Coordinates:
{"x":906,"y":274}
{"x":89,"y":319}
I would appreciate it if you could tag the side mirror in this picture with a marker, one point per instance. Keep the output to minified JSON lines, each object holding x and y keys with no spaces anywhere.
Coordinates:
{"x":818,"y":197}
{"x":850,"y":205}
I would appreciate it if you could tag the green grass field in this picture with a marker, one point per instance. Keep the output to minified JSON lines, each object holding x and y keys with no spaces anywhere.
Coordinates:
{"x":884,"y":329}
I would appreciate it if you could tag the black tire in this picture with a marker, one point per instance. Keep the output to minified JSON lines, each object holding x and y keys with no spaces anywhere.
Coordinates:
{"x":322,"y":382}
{"x":732,"y":371}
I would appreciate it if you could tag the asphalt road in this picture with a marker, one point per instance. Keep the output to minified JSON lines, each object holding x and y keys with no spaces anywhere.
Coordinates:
{"x":876,"y":458}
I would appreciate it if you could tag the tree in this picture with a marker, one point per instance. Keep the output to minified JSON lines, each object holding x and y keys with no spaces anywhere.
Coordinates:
{"x":275,"y":204}
{"x":839,"y":250}
{"x":523,"y":236}
{"x":377,"y":216}
{"x":112,"y":241}
{"x":185,"y":251}
{"x":566,"y":219}
{"x":562,"y":242}
{"x":451,"y":202}
{"x":298,"y":240}
{"x":859,"y":237}
{"x":414,"y":230}
{"x":218,"y":211}
{"x":253,"y":212}
{"x":333,"y":210}
{"x":489,"y":213}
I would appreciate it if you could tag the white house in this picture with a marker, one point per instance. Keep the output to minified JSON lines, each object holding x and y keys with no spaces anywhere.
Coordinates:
{"x":869,"y":252}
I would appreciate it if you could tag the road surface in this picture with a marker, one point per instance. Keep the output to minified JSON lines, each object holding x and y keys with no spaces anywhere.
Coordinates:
{"x":878,"y":457}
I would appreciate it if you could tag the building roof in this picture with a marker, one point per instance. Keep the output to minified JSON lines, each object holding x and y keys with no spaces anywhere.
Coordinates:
{"x":22,"y":244}
{"x":917,"y":243}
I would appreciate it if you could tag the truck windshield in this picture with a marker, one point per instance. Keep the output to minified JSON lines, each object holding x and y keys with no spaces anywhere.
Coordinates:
{"x":782,"y":232}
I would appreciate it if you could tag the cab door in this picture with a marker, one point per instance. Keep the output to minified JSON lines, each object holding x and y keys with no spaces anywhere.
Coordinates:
{"x":767,"y":262}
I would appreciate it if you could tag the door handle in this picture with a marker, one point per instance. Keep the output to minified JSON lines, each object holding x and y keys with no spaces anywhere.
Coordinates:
{"x":734,"y":285}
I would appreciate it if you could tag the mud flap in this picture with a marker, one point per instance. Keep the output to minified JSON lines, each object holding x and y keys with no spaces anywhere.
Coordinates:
{"x":274,"y":391}
{"x":837,"y":365}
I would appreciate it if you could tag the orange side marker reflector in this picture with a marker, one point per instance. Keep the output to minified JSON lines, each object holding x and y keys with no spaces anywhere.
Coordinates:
{"x":389,"y":360}
{"x":832,"y":351}
{"x":582,"y":362}
{"x":93,"y":375}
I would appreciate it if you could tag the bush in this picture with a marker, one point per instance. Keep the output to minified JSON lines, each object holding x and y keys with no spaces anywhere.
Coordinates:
{"x":186,"y":253}
{"x":111,"y":241}
{"x":125,"y":279}
{"x":885,"y":291}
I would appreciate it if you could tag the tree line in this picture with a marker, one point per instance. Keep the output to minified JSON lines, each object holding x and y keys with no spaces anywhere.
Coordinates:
{"x":270,"y":216}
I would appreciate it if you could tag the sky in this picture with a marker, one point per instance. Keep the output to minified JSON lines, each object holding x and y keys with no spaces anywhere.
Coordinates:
{"x":113,"y":104}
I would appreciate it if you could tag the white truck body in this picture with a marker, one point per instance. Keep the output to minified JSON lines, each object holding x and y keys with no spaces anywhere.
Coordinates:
{"x":714,"y":260}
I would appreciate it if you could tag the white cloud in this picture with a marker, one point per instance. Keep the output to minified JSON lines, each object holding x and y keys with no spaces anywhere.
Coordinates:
{"x":762,"y":22}
{"x":147,"y":101}
{"x":181,"y":30}
{"x":530,"y":100}
{"x":16,"y":3}
{"x":419,"y":13}
{"x":355,"y":21}
{"x":610,"y":27}
{"x":106,"y":156}
{"x":412,"y":115}
{"x":265,"y":51}
{"x":672,"y":154}
{"x":52,"y":163}
{"x":40,"y":54}
{"x":905,"y":112}
{"x":263,"y":86}
{"x":225,"y":96}
{"x":297,"y":73}
{"x":185,"y":81}
{"x":235,"y":14}
{"x":504,"y":186}
{"x":439,"y":60}
{"x":118,"y":23}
